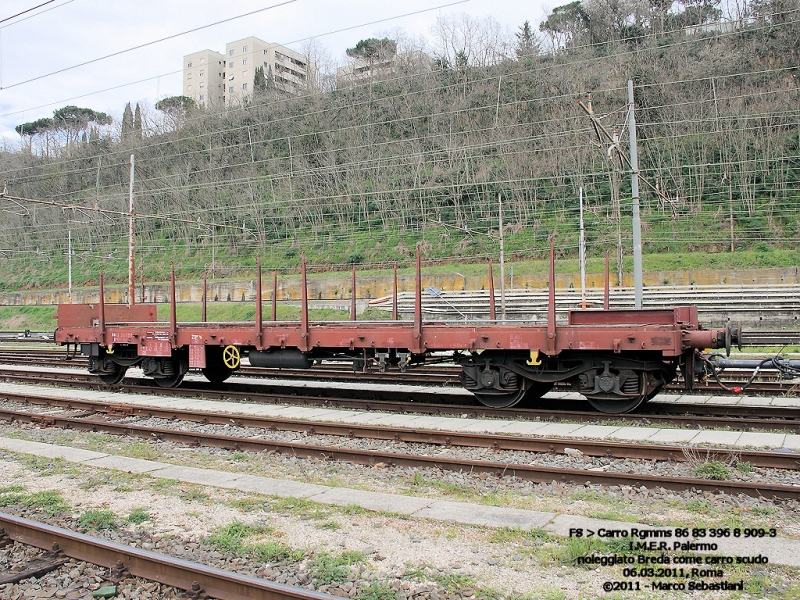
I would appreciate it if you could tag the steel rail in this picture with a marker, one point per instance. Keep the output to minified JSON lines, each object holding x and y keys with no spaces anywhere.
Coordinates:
{"x":776,"y":460}
{"x":767,"y":382}
{"x":539,"y":474}
{"x":709,"y":417}
{"x":175,"y":572}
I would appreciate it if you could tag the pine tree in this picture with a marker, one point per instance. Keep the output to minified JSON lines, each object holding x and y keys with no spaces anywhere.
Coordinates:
{"x":526,"y":42}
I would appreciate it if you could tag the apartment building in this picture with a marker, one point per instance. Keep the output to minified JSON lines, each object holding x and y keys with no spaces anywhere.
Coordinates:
{"x":233,"y":81}
{"x":360,"y":71}
{"x":204,"y":78}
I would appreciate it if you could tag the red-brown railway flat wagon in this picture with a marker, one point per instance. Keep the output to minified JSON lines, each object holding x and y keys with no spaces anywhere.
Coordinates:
{"x":617,"y":359}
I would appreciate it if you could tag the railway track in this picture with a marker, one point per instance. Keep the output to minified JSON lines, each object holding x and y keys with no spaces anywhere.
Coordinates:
{"x":704,"y":416}
{"x":767,"y":382}
{"x":515,"y":456}
{"x":199,"y":581}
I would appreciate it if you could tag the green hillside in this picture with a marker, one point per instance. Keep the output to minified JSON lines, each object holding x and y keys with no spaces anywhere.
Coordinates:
{"x":365,"y":174}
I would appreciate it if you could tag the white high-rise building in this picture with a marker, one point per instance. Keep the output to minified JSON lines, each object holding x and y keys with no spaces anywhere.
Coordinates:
{"x":203,"y":78}
{"x":232,"y":78}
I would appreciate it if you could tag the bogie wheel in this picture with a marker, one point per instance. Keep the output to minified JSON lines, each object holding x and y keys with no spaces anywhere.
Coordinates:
{"x":501,"y":399}
{"x":115,"y":377}
{"x":181,"y":366}
{"x":216,"y":371}
{"x":217,"y":374}
{"x":535,"y":391}
{"x":616,"y":406}
{"x":231,"y":357}
{"x":171,"y":381}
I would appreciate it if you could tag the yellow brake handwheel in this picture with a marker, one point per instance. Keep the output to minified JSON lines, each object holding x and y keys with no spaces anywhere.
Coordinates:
{"x":231,"y":357}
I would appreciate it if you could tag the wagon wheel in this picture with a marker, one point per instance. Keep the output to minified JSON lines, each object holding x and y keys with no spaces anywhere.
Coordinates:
{"x":181,"y":367}
{"x":617,"y":406}
{"x":535,"y":391}
{"x":115,"y":377}
{"x":216,"y":371}
{"x":171,"y":381}
{"x":501,"y":399}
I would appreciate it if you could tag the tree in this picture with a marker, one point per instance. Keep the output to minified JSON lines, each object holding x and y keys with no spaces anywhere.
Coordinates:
{"x":29,"y":130}
{"x":127,"y":121}
{"x":137,"y":122}
{"x":527,"y":44}
{"x":697,"y":12}
{"x":483,"y":42}
{"x":175,"y":109}
{"x":373,"y":50}
{"x":566,"y":25}
{"x":74,"y":120}
{"x":259,"y":81}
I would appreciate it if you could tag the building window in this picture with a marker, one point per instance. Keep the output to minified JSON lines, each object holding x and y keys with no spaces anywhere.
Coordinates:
{"x":202,"y":97}
{"x":189,"y":88}
{"x":244,"y":48}
{"x":188,"y":65}
{"x":230,"y":52}
{"x":244,"y":61}
{"x":202,"y":61}
{"x":230,"y":65}
{"x":188,"y":76}
{"x":230,"y":89}
{"x":202,"y":85}
{"x":245,"y":74}
{"x":202,"y":73}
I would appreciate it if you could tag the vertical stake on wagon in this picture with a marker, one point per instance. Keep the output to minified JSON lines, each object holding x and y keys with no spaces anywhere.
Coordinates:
{"x":102,"y":310}
{"x":417,"y":331}
{"x":394,"y":295}
{"x":304,"y":307}
{"x":492,"y":308}
{"x":259,"y":316}
{"x":204,"y":312}
{"x":551,"y":301}
{"x":173,"y":308}
{"x":353,"y":297}
{"x":606,"y":298}
{"x":274,"y":296}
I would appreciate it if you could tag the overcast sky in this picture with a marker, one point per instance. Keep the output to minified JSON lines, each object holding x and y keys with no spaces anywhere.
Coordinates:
{"x":65,"y":33}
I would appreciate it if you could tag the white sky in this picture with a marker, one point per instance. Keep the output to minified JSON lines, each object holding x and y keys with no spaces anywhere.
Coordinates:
{"x":70,"y":32}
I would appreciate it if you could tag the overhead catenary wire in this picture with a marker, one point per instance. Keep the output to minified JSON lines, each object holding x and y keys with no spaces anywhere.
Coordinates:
{"x":378,"y":161}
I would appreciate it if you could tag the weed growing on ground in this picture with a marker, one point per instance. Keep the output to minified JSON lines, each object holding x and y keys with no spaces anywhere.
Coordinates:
{"x":716,"y":470}
{"x":99,"y":519}
{"x":244,"y":539}
{"x":248,"y":504}
{"x":49,"y":502}
{"x":327,"y":568}
{"x":138,"y":515}
{"x":377,"y":591}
